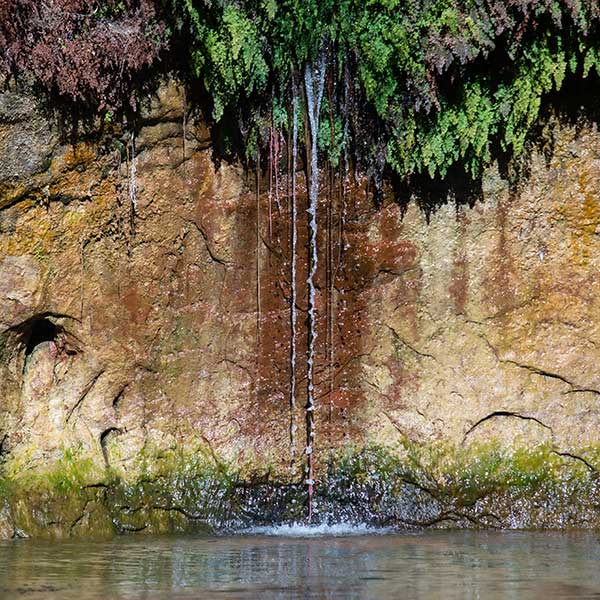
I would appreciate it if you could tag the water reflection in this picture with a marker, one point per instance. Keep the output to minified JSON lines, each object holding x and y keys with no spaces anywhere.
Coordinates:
{"x":424,"y":565}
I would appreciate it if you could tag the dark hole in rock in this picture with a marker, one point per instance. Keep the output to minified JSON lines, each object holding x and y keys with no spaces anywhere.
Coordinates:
{"x":42,"y":330}
{"x":4,"y":445}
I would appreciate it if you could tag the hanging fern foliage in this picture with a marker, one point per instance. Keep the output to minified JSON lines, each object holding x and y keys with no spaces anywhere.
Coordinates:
{"x":414,"y":87}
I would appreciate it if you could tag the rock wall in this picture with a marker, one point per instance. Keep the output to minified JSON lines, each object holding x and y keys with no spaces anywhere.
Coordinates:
{"x":490,"y":322}
{"x":142,"y":310}
{"x":152,"y":305}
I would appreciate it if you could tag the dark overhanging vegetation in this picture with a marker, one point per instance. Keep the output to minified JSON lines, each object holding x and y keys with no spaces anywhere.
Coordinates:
{"x":414,"y":90}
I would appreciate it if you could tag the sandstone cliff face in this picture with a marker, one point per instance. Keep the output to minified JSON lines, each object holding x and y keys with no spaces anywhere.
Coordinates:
{"x":141,"y":311}
{"x":490,"y":326}
{"x":152,"y":306}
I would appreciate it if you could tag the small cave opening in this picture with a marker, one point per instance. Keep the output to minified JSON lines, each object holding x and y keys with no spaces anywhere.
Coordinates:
{"x":41,"y":330}
{"x":4,"y":449}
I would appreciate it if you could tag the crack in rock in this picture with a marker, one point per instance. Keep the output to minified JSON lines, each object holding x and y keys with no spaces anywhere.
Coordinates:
{"x":86,"y":390}
{"x":543,"y":373}
{"x":506,"y":413}
{"x":575,"y":389}
{"x":577,"y":457}
{"x":104,"y":442}
{"x":397,"y":338}
{"x":208,"y":244}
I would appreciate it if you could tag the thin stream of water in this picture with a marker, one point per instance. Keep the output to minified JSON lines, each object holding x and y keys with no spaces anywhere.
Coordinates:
{"x":314,"y":82}
{"x":294,"y":298}
{"x":133,"y":176}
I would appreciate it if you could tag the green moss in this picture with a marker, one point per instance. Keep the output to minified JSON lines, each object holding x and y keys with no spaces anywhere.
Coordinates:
{"x":458,"y":471}
{"x":68,"y":475}
{"x":481,"y":486}
{"x":432,"y":485}
{"x":4,"y":353}
{"x":4,"y":488}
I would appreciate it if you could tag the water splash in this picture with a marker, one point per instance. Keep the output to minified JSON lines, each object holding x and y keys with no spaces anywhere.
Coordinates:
{"x":302,"y":530}
{"x":314,"y":81}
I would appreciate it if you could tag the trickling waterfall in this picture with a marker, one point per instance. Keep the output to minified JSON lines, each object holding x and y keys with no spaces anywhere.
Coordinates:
{"x":277,"y":142}
{"x":346,"y":135}
{"x":293,"y":315}
{"x":258,"y":308}
{"x":270,"y":194}
{"x":314,"y":80}
{"x":184,"y":124}
{"x":132,"y":175}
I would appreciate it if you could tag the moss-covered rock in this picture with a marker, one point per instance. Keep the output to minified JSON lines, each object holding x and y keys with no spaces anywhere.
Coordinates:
{"x":433,"y":486}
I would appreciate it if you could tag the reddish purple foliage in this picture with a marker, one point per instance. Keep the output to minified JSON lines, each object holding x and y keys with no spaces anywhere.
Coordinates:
{"x":87,"y":51}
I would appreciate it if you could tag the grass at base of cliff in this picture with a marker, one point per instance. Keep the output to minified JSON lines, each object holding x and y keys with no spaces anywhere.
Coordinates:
{"x":412,"y":486}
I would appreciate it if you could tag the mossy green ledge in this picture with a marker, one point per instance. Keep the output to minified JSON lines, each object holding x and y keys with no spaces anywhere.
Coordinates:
{"x":409,"y":486}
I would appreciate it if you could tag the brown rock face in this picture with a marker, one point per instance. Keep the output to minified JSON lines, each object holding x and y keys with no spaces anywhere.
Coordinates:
{"x":506,"y":316}
{"x":145,"y":303}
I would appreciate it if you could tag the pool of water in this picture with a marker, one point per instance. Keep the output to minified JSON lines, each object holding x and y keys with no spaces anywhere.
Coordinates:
{"x":297,"y":562}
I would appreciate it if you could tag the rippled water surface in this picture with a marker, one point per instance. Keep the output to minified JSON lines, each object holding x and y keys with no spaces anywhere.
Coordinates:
{"x":296,"y":562}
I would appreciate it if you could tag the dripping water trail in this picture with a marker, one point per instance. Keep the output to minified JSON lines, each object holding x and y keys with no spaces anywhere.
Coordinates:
{"x":270,"y":194}
{"x":344,"y":179}
{"x":274,"y":160}
{"x":314,"y":79}
{"x":132,"y":168}
{"x":293,"y":299}
{"x":330,"y":299}
{"x":258,"y":311}
{"x":184,"y":125}
{"x":329,"y":260}
{"x":278,"y":142}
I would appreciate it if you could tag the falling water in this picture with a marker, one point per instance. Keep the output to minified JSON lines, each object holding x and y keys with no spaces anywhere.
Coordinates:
{"x":293,"y":315}
{"x":277,"y":143}
{"x":132,"y":176}
{"x":270,"y":194}
{"x":346,"y":143}
{"x":314,"y":79}
{"x":258,"y":308}
{"x":184,"y":124}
